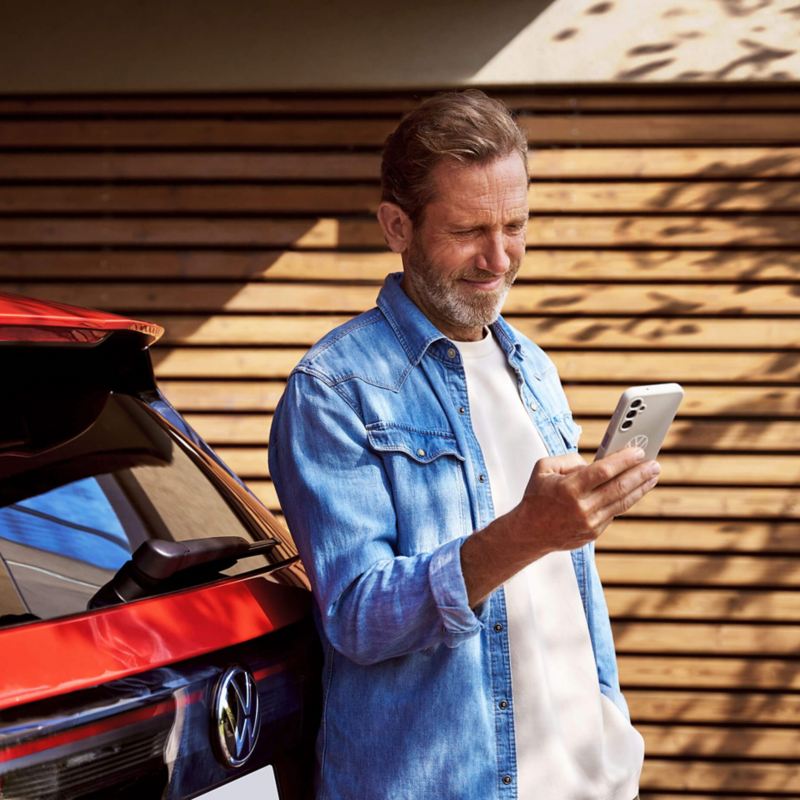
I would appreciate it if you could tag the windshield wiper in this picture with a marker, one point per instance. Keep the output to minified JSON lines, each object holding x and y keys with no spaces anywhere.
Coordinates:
{"x":159,"y":565}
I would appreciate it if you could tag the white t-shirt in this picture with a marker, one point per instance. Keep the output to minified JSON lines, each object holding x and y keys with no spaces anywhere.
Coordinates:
{"x":572,"y":742}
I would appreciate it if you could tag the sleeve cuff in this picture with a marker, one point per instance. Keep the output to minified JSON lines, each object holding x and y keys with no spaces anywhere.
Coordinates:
{"x":450,"y":593}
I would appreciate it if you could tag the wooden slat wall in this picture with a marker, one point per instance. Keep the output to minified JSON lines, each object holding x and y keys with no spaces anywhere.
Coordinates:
{"x":664,"y":245}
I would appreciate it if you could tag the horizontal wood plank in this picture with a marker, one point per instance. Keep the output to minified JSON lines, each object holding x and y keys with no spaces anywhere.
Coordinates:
{"x":177,"y":166}
{"x":634,"y":198}
{"x":707,"y":741}
{"x":666,"y":502}
{"x":192,"y":133}
{"x":648,"y":706}
{"x":713,"y":502}
{"x":711,"y":776}
{"x":700,"y":638}
{"x":730,"y":401}
{"x":708,"y":569}
{"x":546,"y":163}
{"x":739,"y":402}
{"x":701,"y":163}
{"x":189,"y":199}
{"x":657,"y":333}
{"x":633,"y":368}
{"x":696,"y":128}
{"x":564,"y":266}
{"x":704,"y":672}
{"x":701,"y":536}
{"x":588,"y":298}
{"x":704,"y":604}
{"x":725,"y":470}
{"x":542,"y":98}
{"x":744,"y":231}
{"x":543,"y":198}
{"x":702,"y":435}
{"x":681,"y":795}
{"x":541,"y":129}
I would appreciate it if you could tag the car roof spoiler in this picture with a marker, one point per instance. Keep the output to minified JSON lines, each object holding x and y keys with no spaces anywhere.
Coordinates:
{"x":26,"y":320}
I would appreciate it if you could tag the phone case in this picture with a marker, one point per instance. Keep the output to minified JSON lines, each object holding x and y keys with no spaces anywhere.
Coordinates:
{"x":642,"y":418}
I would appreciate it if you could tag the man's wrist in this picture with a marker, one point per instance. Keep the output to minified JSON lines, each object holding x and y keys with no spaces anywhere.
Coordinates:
{"x":496,"y":553}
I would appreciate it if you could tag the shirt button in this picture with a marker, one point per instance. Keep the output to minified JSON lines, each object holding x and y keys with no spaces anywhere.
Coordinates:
{"x":498,"y":627}
{"x":420,"y":452}
{"x":506,"y":779}
{"x":503,"y":704}
{"x":462,"y":410}
{"x":482,"y":478}
{"x":451,"y":352}
{"x":533,"y":405}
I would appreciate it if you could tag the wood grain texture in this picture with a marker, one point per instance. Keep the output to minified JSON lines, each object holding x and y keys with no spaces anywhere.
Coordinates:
{"x":701,"y":435}
{"x":709,"y":707}
{"x":588,"y":298}
{"x":664,"y":244}
{"x":584,"y":366}
{"x":351,"y":198}
{"x":742,"y":402}
{"x":256,"y":265}
{"x":706,"y":672}
{"x":706,"y":569}
{"x":726,"y":537}
{"x":543,"y":128}
{"x":704,"y":741}
{"x":712,"y":162}
{"x":708,"y":776}
{"x":656,"y":232}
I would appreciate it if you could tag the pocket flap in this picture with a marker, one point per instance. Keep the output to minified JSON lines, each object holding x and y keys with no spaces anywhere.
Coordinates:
{"x":421,"y":445}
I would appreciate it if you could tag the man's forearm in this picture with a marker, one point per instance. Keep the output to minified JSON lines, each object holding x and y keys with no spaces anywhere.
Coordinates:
{"x":488,"y":559}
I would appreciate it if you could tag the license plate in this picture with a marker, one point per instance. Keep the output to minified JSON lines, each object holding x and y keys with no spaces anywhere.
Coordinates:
{"x":258,"y":785}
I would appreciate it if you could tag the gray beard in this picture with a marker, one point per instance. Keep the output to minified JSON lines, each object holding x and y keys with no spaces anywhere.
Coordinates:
{"x":443,"y":295}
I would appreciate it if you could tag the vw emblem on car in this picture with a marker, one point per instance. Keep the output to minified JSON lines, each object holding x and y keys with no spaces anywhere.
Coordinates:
{"x":236,"y":716}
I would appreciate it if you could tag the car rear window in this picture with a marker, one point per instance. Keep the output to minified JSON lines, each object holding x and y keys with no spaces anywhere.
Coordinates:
{"x":72,"y":514}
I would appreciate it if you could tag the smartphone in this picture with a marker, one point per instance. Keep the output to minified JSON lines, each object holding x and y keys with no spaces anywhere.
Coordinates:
{"x":642,"y":418}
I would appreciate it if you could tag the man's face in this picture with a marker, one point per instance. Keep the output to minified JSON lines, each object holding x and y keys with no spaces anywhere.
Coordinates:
{"x":467,"y":249}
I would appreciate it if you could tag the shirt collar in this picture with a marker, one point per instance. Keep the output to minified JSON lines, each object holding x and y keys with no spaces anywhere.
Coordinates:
{"x":416,"y":332}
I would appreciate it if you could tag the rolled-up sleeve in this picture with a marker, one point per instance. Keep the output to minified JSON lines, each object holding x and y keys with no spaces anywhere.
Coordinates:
{"x":374,"y":603}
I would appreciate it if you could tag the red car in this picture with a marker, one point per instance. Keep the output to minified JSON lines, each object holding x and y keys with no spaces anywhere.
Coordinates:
{"x":155,"y":622}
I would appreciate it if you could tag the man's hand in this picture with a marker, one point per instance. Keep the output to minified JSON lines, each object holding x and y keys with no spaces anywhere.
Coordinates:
{"x":566,"y":504}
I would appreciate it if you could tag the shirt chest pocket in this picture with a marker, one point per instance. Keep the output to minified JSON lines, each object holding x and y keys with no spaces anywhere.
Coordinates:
{"x":424,"y":470}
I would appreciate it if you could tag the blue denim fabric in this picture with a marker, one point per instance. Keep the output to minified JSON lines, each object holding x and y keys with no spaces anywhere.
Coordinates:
{"x":381,"y":479}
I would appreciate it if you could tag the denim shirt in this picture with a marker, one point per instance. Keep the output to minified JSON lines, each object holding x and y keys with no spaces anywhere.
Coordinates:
{"x":381,"y":479}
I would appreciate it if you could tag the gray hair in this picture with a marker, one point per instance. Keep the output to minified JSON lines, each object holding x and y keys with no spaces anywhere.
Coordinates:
{"x":468,"y":127}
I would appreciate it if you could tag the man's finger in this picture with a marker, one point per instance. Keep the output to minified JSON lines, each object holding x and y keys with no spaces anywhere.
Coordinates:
{"x":561,"y":465}
{"x":608,"y":468}
{"x":625,"y":502}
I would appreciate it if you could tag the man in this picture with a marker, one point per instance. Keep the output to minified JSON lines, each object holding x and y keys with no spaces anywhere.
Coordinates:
{"x":425,"y":458}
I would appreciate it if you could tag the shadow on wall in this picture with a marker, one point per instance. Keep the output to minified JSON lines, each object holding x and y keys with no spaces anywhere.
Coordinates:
{"x":675,"y":56}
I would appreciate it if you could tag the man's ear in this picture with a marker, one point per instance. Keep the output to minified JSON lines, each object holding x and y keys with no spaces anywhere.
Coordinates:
{"x":396,"y":226}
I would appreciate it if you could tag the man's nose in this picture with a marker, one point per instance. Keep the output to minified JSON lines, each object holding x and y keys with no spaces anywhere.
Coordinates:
{"x":493,"y":256}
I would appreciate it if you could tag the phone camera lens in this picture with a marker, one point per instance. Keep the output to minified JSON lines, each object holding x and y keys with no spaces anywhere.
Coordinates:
{"x":637,"y":402}
{"x":632,"y":413}
{"x":627,"y":425}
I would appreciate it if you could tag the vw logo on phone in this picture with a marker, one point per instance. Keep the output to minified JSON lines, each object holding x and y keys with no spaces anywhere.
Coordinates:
{"x":639,"y":441}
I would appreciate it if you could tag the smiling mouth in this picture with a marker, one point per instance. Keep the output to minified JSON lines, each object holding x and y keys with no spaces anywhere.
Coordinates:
{"x":485,"y":285}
